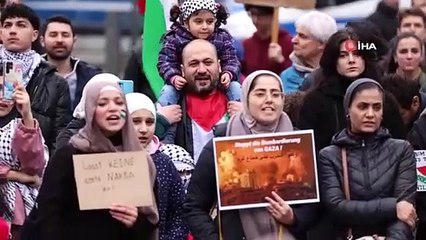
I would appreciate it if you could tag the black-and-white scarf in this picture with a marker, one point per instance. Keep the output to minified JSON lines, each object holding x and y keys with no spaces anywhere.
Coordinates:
{"x":190,"y":6}
{"x":8,"y":158}
{"x":30,"y":60}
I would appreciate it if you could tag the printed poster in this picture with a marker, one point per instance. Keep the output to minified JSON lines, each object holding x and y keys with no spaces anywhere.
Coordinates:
{"x":421,"y":170}
{"x":249,"y":168}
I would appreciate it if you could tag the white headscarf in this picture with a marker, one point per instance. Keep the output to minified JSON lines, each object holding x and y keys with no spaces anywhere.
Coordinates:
{"x":138,"y":101}
{"x":102,"y":77}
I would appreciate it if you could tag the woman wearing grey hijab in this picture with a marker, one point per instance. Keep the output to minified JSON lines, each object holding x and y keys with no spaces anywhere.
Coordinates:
{"x":368,"y":179}
{"x":263,"y":101}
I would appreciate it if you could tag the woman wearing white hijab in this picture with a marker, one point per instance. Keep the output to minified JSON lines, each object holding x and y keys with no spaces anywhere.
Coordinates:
{"x":169,"y":191}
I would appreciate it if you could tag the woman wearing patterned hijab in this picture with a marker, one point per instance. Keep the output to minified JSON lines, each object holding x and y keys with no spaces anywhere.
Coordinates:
{"x":108,"y":129}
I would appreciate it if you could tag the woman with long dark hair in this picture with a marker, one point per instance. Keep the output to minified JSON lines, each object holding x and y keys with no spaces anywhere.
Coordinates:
{"x":340,"y":65}
{"x":406,"y":58}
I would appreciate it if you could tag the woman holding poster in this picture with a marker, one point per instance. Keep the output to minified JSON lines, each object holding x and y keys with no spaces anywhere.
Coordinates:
{"x":368,"y":179}
{"x":263,"y":101}
{"x":108,"y":129}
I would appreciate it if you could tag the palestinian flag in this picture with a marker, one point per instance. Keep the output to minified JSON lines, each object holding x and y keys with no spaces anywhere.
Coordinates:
{"x":155,"y":24}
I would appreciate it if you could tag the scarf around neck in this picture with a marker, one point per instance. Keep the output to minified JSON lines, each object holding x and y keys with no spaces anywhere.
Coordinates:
{"x":258,"y":223}
{"x":29,"y":60}
{"x":207,"y":111}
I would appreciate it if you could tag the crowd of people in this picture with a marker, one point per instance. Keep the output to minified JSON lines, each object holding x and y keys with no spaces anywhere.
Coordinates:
{"x":366,"y":107}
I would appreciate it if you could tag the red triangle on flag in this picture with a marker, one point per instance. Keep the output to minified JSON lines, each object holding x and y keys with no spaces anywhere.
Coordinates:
{"x":141,"y":6}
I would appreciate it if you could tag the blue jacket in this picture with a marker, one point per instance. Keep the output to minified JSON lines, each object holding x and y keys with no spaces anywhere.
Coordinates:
{"x":292,"y":79}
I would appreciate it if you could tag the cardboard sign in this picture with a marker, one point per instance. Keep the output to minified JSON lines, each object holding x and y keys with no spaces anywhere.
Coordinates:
{"x":421,"y":170}
{"x":107,"y":178}
{"x":249,"y":168}
{"x":301,"y":4}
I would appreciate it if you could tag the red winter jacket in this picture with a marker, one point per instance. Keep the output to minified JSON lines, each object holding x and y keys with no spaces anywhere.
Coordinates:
{"x":4,"y":230}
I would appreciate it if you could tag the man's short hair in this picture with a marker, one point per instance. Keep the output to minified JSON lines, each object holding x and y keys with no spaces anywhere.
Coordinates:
{"x":320,"y":25}
{"x":18,"y":10}
{"x":57,"y":19}
{"x":417,"y":12}
{"x":404,"y":90}
{"x":262,"y":9}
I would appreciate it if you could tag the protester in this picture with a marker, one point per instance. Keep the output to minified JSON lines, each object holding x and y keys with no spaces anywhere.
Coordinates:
{"x":58,"y":38}
{"x":108,"y":128}
{"x":182,"y":160}
{"x":407,"y":56}
{"x":23,"y":158}
{"x":411,"y":102}
{"x":170,"y":193}
{"x":260,"y":90}
{"x":259,"y":52}
{"x":322,"y":108}
{"x":49,"y":93}
{"x":312,"y":32}
{"x":201,"y":98}
{"x":198,"y":19}
{"x":368,"y":179}
{"x":165,"y":115}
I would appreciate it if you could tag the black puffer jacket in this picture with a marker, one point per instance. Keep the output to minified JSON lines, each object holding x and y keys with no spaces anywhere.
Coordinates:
{"x":382,"y":172}
{"x":50,"y":102}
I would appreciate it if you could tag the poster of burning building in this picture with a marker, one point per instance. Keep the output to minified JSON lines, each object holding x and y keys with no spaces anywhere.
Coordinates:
{"x":249,"y":168}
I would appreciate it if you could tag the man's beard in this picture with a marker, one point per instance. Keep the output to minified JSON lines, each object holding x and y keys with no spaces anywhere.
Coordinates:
{"x":59,"y":56}
{"x":191,"y":87}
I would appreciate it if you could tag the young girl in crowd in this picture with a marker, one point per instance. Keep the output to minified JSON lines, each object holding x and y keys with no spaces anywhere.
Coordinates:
{"x":170,"y":193}
{"x":197,"y":19}
{"x":183,"y":161}
{"x":23,"y":157}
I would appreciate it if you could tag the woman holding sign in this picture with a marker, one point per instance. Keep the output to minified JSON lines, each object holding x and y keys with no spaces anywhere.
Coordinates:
{"x":108,"y":129}
{"x":368,"y":179}
{"x":263,"y":101}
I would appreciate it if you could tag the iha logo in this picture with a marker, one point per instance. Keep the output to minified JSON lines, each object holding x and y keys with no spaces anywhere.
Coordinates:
{"x":351,"y":45}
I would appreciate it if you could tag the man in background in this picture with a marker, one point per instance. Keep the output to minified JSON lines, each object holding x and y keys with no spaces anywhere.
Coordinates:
{"x":58,"y":38}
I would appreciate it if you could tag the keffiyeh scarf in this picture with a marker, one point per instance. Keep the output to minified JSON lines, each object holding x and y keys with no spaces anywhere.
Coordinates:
{"x":30,"y":60}
{"x":10,"y":188}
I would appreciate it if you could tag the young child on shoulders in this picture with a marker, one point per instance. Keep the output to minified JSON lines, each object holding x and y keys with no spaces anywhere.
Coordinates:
{"x":197,"y":19}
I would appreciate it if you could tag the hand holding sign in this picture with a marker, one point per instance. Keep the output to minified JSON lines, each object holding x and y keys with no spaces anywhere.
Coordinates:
{"x":280,"y":210}
{"x":125,"y":214}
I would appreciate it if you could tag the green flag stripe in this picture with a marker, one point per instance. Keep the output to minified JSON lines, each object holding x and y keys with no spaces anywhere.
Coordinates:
{"x":154,"y":28}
